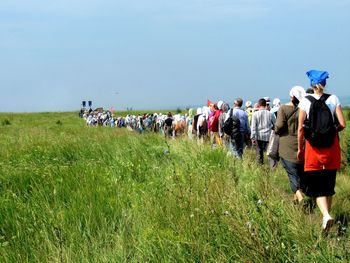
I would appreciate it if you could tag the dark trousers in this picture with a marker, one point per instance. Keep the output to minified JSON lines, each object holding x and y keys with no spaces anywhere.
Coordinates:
{"x":237,"y":146}
{"x":168,"y":131}
{"x":261,"y":147}
{"x":295,"y":172}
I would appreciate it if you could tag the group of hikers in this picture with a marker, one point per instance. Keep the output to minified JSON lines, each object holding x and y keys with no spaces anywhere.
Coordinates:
{"x":303,"y":132}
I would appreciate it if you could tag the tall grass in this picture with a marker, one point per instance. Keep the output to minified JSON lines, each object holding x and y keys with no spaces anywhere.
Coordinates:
{"x":71,"y":193}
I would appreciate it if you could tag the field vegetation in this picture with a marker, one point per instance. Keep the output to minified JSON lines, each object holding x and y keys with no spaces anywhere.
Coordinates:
{"x":72,"y":193}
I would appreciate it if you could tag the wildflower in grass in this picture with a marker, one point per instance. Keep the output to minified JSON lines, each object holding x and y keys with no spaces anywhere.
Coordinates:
{"x":283,"y":246}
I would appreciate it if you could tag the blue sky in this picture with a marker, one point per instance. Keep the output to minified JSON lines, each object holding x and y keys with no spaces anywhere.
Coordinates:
{"x":158,"y":53}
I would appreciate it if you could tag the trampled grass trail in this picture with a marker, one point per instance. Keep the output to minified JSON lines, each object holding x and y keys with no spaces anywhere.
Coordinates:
{"x":71,"y":193}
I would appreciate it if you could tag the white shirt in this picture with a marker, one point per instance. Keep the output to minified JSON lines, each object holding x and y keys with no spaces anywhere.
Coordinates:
{"x":332,"y":102}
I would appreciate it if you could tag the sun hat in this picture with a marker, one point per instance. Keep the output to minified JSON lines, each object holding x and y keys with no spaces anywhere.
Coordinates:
{"x":297,"y":92}
{"x":219,"y":104}
{"x":276,"y":102}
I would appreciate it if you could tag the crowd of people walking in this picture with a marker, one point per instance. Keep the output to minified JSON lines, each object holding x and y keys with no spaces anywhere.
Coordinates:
{"x":305,"y":131}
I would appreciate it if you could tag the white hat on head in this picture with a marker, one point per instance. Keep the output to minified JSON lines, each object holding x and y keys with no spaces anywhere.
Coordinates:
{"x":219,"y":104}
{"x":298,"y":92}
{"x":276,"y":102}
{"x":206,"y":111}
{"x":248,"y":104}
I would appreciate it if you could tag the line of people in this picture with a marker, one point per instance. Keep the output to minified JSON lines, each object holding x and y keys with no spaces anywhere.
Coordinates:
{"x":308,"y":128}
{"x":308,"y":120}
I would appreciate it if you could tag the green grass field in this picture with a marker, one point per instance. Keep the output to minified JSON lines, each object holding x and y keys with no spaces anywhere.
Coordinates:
{"x":71,"y":193}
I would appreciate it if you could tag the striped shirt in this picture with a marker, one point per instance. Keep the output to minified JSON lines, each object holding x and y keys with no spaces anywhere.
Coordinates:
{"x":262,"y":123}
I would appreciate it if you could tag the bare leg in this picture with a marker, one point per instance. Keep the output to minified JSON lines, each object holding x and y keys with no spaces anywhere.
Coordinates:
{"x":295,"y":198}
{"x":322,"y":204}
{"x":299,"y":195}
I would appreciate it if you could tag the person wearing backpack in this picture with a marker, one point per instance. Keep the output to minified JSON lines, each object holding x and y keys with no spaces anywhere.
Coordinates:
{"x":243,"y":128}
{"x":225,"y":138}
{"x":320,"y":120}
{"x":195,"y":121}
{"x":231,"y":129}
{"x":202,"y":125}
{"x":168,"y":126}
{"x":286,"y":127}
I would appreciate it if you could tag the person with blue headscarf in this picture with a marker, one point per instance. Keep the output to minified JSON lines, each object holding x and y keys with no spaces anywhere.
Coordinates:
{"x":320,"y":163}
{"x":317,"y":77}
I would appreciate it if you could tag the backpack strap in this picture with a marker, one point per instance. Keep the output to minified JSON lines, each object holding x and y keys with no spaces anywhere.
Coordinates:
{"x":311,"y":98}
{"x":324,"y":97}
{"x":294,"y":111}
{"x":230,"y":113}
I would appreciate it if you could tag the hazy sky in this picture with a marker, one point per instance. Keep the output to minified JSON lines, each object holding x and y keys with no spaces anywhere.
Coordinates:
{"x":159,"y":53}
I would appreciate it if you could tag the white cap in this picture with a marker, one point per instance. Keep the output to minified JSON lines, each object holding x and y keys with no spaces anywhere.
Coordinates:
{"x":219,"y":104}
{"x":205,"y":111}
{"x":298,"y":92}
{"x":276,"y":102}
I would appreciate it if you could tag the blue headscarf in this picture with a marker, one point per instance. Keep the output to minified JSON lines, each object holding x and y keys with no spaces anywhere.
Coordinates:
{"x":317,"y":77}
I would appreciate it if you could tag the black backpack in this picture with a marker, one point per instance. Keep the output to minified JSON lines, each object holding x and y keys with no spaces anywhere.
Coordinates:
{"x":319,"y":127}
{"x":168,"y":122}
{"x":195,"y":121}
{"x":203,"y":130}
{"x":231,"y":126}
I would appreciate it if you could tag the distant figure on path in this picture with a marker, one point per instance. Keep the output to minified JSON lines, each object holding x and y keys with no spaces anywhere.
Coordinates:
{"x":213,"y":123}
{"x":244,"y":128}
{"x":168,"y":126}
{"x":262,"y":123}
{"x":189,"y":123}
{"x":225,"y":139}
